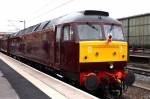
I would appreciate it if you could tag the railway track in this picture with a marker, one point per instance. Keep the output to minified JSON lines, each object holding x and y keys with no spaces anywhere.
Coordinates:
{"x":140,"y":58}
{"x":138,"y":70}
{"x":139,"y":63}
{"x":142,"y":86}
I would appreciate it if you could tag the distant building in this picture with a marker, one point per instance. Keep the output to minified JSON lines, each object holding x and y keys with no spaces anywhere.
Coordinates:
{"x":137,"y":30}
{"x":2,"y":34}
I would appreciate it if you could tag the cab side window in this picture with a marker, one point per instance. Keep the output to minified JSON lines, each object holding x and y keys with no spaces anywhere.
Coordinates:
{"x":58,"y":34}
{"x":68,"y":33}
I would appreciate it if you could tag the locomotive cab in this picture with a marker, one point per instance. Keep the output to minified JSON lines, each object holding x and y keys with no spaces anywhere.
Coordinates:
{"x":92,"y":50}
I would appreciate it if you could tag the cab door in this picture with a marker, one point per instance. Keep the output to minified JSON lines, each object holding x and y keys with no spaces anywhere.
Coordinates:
{"x":68,"y":48}
{"x":57,"y":46}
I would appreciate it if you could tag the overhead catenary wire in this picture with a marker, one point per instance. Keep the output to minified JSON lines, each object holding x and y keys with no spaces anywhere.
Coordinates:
{"x":45,"y":13}
{"x":44,"y":6}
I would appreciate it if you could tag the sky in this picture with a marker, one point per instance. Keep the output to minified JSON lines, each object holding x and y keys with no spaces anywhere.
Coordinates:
{"x":13,"y":13}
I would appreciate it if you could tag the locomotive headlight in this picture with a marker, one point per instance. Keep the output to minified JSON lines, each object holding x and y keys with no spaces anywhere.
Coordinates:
{"x":111,"y":66}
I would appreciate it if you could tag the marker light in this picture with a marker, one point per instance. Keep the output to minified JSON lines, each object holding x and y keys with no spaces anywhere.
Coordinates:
{"x":111,"y":66}
{"x":109,"y":38}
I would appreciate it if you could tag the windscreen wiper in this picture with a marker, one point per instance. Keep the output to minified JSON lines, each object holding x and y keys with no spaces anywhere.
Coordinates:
{"x":92,"y":26}
{"x":111,"y":28}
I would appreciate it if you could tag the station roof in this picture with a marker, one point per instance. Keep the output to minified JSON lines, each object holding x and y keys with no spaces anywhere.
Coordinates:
{"x":134,"y":16}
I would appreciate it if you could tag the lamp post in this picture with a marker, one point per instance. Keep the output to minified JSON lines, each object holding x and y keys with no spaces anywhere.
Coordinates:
{"x":24,"y":23}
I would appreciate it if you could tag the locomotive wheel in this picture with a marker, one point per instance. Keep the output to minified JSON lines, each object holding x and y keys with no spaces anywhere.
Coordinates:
{"x":116,"y":90}
{"x":91,"y":82}
{"x":130,"y":78}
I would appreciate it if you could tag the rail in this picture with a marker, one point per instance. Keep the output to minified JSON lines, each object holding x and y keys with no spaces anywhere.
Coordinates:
{"x":141,"y":71}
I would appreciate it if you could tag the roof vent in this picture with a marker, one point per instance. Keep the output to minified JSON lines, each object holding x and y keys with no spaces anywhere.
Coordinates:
{"x":95,"y":12}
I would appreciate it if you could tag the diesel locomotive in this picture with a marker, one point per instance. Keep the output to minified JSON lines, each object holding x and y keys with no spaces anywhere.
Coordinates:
{"x":87,"y":47}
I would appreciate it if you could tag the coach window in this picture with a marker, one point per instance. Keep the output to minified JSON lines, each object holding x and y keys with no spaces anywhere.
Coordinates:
{"x":68,"y":33}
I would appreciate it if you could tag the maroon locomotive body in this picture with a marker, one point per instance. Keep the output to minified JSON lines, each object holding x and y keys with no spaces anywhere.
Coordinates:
{"x":4,"y":43}
{"x":87,"y":47}
{"x":44,"y":43}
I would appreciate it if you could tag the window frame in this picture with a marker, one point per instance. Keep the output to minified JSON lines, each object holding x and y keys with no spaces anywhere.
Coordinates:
{"x":98,"y":23}
{"x":114,"y":25}
{"x":70,"y":38}
{"x":60,"y":33}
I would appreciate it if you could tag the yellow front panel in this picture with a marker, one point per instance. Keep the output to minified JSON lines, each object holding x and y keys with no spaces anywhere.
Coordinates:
{"x":102,"y":51}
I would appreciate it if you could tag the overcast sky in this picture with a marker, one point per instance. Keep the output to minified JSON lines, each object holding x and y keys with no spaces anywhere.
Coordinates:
{"x":35,"y":11}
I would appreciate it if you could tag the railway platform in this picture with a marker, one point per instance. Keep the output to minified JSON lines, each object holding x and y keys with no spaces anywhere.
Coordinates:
{"x":6,"y":92}
{"x":14,"y":86}
{"x":24,"y":82}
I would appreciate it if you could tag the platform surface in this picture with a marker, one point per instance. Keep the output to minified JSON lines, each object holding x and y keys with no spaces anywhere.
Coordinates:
{"x":30,"y":83}
{"x":6,"y":90}
{"x":14,"y":86}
